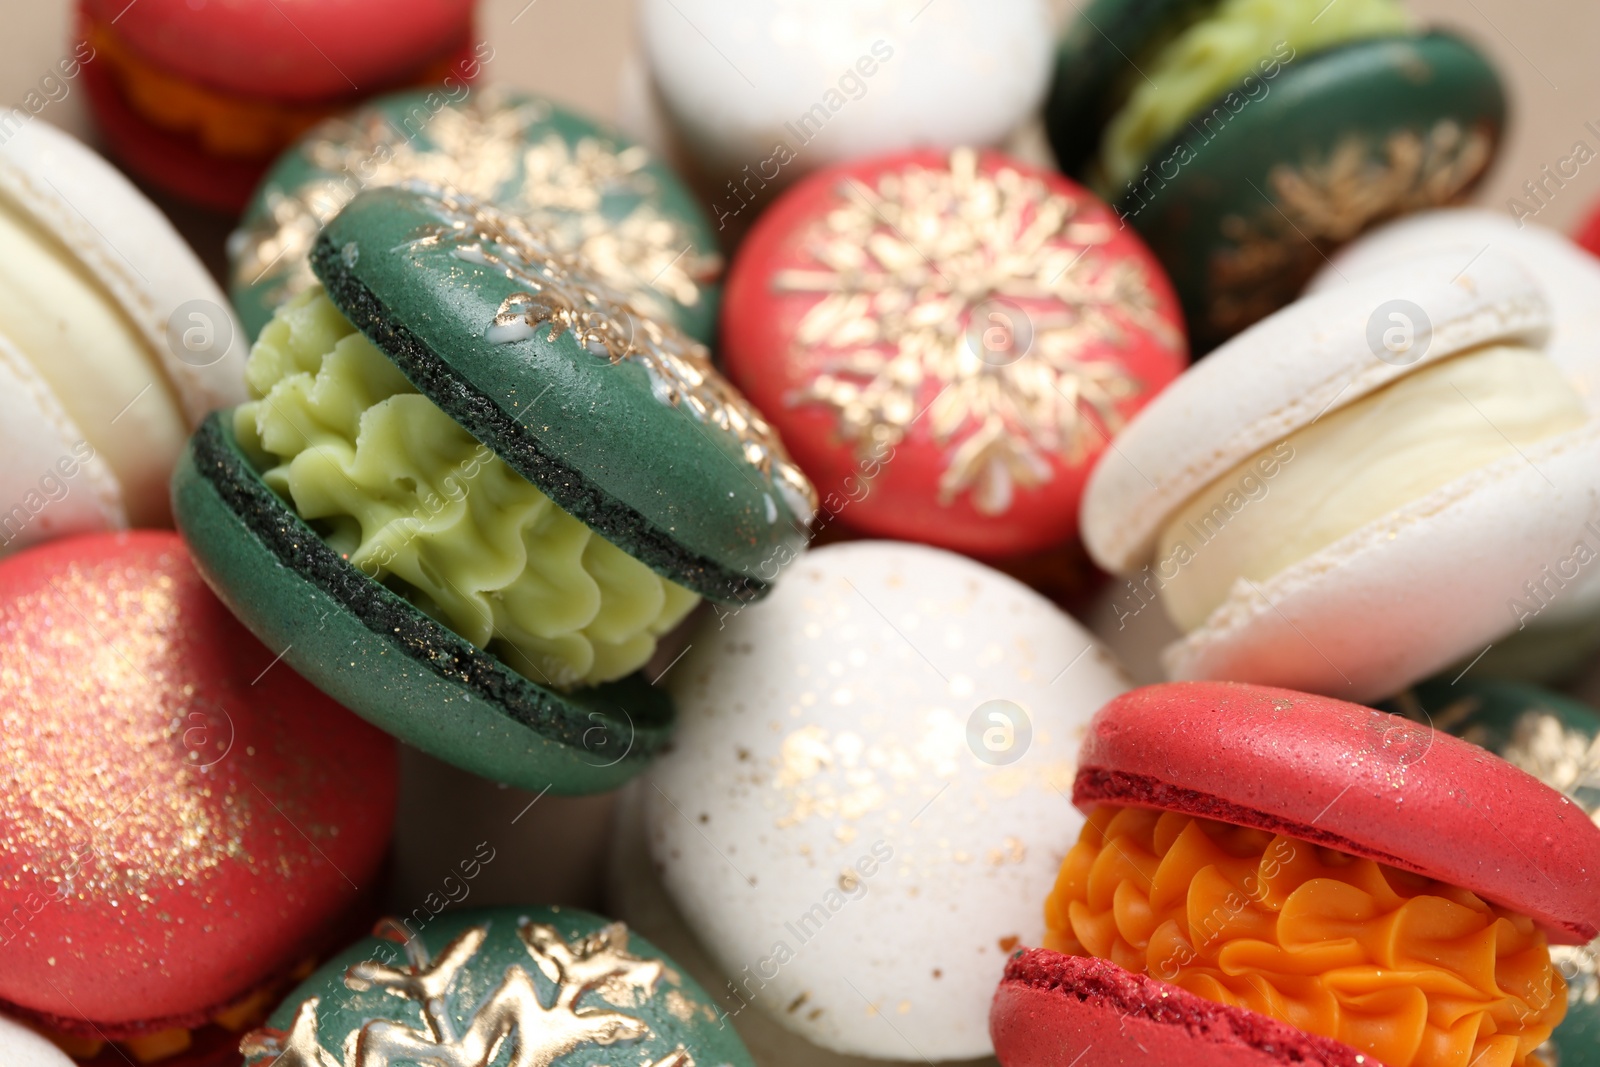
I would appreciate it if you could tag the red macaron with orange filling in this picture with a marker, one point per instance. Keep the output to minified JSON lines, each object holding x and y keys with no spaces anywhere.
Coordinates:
{"x":1268,"y":877}
{"x":186,"y":825}
{"x":199,"y":97}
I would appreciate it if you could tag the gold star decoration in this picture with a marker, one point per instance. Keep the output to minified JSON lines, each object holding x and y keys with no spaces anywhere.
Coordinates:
{"x":1324,"y":203}
{"x":562,"y":293}
{"x":513,"y":1012}
{"x":482,"y":148}
{"x":979,"y":298}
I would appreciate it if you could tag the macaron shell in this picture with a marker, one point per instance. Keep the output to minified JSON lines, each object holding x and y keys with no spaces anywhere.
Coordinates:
{"x":371,"y":650}
{"x":1427,"y":585}
{"x":1245,"y":217}
{"x":983,"y":452}
{"x":288,"y":51}
{"x":1351,"y":778}
{"x":22,"y":1047}
{"x":1053,"y":1010}
{"x":133,"y":251}
{"x":1569,"y":276}
{"x":1282,"y":374}
{"x":42,"y":444}
{"x":184,"y":817}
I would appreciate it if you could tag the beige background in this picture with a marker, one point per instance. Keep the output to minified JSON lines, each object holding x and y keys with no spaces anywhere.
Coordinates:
{"x":573,"y":50}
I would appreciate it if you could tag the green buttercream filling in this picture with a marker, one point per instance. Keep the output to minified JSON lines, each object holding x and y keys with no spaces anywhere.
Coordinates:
{"x":394,"y":484}
{"x":1200,"y":64}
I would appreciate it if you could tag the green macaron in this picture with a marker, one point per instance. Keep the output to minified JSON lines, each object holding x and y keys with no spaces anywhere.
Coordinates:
{"x":593,"y":191}
{"x":476,"y":485}
{"x":1557,"y":740}
{"x":1245,"y":140}
{"x":528,"y":986}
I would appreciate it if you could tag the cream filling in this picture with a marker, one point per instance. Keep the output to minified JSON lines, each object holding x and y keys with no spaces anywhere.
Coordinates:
{"x":1352,"y":466}
{"x":76,"y":337}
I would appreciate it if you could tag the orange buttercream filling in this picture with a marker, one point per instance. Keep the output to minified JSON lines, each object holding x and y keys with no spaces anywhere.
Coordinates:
{"x":225,"y":124}
{"x":1413,"y":972}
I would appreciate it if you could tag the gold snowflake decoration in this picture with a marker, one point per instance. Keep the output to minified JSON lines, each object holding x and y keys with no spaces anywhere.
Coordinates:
{"x":974,"y":299}
{"x":1323,"y":204}
{"x":539,"y":1034}
{"x":481,"y":148}
{"x":561,"y":293}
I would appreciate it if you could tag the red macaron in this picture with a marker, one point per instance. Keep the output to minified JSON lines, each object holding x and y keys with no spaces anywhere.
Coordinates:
{"x":946,"y":343}
{"x":1269,"y":877}
{"x":184,"y":822}
{"x":199,"y":96}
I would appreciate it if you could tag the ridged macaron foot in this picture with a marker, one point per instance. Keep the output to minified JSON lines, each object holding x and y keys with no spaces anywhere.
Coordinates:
{"x":186,"y":822}
{"x":515,"y":484}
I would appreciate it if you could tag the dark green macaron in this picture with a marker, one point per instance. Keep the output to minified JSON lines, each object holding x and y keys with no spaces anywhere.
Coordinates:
{"x":1557,"y":740}
{"x":585,"y":184}
{"x":502,"y":985}
{"x":1245,"y":140}
{"x":463,"y":439}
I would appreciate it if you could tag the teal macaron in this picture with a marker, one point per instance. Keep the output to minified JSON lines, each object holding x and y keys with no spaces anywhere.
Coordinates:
{"x":475,"y":487}
{"x":527,"y":987}
{"x":1556,"y":739}
{"x":1245,"y":140}
{"x":592,"y":190}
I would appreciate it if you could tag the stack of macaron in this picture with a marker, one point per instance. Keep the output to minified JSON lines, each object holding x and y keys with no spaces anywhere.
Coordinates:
{"x":483,"y":460}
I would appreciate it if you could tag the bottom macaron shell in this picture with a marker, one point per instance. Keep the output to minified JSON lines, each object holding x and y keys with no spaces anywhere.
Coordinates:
{"x":1420,"y":588}
{"x":1053,"y":1010}
{"x":373,"y":652}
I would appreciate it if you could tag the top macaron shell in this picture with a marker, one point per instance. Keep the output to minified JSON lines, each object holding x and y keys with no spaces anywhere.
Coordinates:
{"x":184,"y":817}
{"x":619,"y":426}
{"x":289,"y":51}
{"x":519,"y":151}
{"x":864,"y":349}
{"x":110,"y":231}
{"x":1351,"y":778}
{"x":1404,"y":595}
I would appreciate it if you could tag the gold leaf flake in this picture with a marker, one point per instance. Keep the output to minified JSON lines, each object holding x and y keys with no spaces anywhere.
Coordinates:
{"x":901,"y":267}
{"x":1323,"y":203}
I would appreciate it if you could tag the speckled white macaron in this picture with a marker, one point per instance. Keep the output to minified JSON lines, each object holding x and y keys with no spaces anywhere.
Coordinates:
{"x":1480,"y":446}
{"x":867,"y":797}
{"x":21,"y":1047}
{"x":832,"y":81}
{"x":114,"y":341}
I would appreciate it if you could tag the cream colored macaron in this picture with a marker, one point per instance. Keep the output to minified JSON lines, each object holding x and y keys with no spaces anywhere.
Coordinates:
{"x":1359,"y":490}
{"x":867,"y":797}
{"x":21,"y":1047}
{"x":114,"y":341}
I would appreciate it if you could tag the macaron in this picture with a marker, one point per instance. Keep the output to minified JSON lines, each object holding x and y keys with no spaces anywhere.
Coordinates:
{"x":758,"y":97}
{"x":1270,"y":877}
{"x":1359,"y":490}
{"x":199,"y":98}
{"x":946,"y":342}
{"x":1247,"y":139}
{"x":1587,"y":234}
{"x":596,"y":194}
{"x":475,"y":488}
{"x":558,"y":983}
{"x":184,"y":822}
{"x":867,"y":796}
{"x":1553,"y":738}
{"x":1560,"y":625}
{"x":22,"y":1047}
{"x":114,"y":342}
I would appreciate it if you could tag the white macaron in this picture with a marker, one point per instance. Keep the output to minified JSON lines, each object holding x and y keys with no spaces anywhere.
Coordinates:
{"x":867,"y":800}
{"x":762,"y":93}
{"x":21,"y":1047}
{"x":1371,"y":484}
{"x":114,"y":342}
